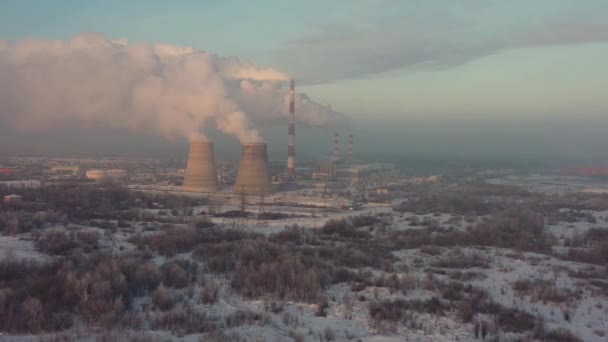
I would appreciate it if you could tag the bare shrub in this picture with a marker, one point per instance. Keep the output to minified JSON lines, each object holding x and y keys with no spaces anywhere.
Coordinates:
{"x":542,"y":290}
{"x":56,"y":242}
{"x":396,"y":310}
{"x":174,"y":275}
{"x":452,"y":291}
{"x":342,"y":275}
{"x":266,"y":268}
{"x":184,"y":321}
{"x":364,"y":220}
{"x":329,"y":334}
{"x":343,"y":229}
{"x":241,"y":317}
{"x":465,"y":310}
{"x":291,"y":234}
{"x":484,"y":329}
{"x":467,"y":276}
{"x":597,"y":254}
{"x":209,"y":293}
{"x":297,"y":336}
{"x":32,"y":314}
{"x":322,"y":306}
{"x":562,"y":335}
{"x":522,"y":286}
{"x":162,"y":298}
{"x":461,"y":260}
{"x":182,"y":240}
{"x":513,"y":320}
{"x":430,"y":250}
{"x":145,"y":278}
{"x":106,"y":289}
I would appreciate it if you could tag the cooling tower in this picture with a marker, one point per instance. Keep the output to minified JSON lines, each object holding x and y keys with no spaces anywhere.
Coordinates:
{"x":253,"y":177}
{"x":200,"y":172}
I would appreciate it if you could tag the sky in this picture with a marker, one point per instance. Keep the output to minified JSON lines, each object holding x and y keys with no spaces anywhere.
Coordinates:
{"x":484,"y":77}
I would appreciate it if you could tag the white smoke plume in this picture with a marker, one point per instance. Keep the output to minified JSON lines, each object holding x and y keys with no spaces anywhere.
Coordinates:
{"x":168,"y":90}
{"x":267,"y":102}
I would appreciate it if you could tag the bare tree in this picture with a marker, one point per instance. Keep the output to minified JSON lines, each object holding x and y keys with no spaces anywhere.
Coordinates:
{"x":32,"y":314}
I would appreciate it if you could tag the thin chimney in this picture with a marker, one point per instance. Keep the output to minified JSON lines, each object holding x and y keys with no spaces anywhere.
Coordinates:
{"x":350,"y":148}
{"x":336,"y":156}
{"x":291,"y":148}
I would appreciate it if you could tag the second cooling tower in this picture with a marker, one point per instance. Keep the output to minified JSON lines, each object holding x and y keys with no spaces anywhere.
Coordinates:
{"x":200,"y":172}
{"x":253,"y":176}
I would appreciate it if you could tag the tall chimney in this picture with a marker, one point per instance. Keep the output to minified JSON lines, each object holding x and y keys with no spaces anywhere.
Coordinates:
{"x":350,"y":148}
{"x":253,"y":177}
{"x":336,"y":154}
{"x":291,"y":148}
{"x":200,"y":171}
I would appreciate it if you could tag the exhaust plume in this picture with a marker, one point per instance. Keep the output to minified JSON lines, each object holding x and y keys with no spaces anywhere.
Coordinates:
{"x":268,"y":101}
{"x":164,"y":89}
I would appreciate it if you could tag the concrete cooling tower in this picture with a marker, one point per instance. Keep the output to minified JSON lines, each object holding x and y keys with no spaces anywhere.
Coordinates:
{"x":200,"y":172}
{"x":253,"y":176}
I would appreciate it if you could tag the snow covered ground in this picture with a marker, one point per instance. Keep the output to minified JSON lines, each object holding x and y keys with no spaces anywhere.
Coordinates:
{"x":19,"y":247}
{"x":580,"y":307}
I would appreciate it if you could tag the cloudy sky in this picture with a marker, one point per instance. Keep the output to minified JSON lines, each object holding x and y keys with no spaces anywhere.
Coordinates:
{"x":488,"y":77}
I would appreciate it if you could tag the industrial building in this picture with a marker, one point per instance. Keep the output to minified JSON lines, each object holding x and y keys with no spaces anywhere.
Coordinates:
{"x":72,"y":170}
{"x":117,"y":175}
{"x":351,"y":173}
{"x":326,"y":171}
{"x":13,"y":199}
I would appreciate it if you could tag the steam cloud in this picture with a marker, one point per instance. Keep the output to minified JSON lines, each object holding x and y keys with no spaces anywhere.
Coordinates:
{"x":169,"y":90}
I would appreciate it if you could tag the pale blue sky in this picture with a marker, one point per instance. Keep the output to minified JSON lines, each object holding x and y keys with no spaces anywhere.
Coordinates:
{"x":404,"y":61}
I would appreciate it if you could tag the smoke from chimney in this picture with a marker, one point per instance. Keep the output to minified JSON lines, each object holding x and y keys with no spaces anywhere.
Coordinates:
{"x":155,"y":88}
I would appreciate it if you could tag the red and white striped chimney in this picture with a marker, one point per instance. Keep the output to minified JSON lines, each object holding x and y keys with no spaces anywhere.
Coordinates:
{"x":336,"y":156}
{"x":291,"y":148}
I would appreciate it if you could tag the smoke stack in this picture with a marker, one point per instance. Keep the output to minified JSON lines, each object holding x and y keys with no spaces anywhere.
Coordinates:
{"x":350,"y":149}
{"x":200,"y":172}
{"x":291,"y":148}
{"x":253,"y":176}
{"x":336,"y":155}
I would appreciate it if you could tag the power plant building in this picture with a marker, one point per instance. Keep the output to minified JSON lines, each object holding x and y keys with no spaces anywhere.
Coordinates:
{"x":65,"y":169}
{"x":13,"y":199}
{"x":102,"y":175}
{"x":352,"y":173}
{"x":326,"y":171}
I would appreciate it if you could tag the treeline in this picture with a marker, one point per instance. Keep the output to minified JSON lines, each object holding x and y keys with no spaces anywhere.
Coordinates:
{"x":99,"y":291}
{"x":64,"y":204}
{"x":483,"y":199}
{"x":86,"y":202}
{"x":295,"y":264}
{"x":592,"y":247}
{"x":518,"y":227}
{"x":576,"y":201}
